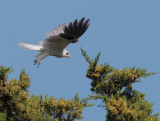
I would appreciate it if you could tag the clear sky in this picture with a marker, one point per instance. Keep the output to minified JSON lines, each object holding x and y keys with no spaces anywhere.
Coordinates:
{"x":127,"y":32}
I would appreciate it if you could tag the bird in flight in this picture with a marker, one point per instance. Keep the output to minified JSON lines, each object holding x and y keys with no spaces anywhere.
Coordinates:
{"x":58,"y":40}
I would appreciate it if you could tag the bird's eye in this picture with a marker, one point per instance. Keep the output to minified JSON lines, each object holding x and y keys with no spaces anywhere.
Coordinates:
{"x":67,"y":53}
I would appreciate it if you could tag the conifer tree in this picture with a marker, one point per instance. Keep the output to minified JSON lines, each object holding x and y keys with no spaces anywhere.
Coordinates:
{"x":17,"y":105}
{"x":115,"y":88}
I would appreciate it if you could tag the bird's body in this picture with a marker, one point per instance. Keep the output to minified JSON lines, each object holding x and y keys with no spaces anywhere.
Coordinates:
{"x":58,"y":40}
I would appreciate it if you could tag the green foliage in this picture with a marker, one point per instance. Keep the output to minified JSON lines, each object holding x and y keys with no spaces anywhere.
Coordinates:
{"x":4,"y":72}
{"x":16,"y":104}
{"x":86,"y":56}
{"x":114,"y":87}
{"x":2,"y":116}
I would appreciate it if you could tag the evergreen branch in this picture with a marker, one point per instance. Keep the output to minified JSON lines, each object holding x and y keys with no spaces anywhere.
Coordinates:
{"x":84,"y":53}
{"x":4,"y":72}
{"x":11,"y":112}
{"x":23,"y":71}
{"x":76,"y":98}
{"x":96,"y":59}
{"x":90,"y":104}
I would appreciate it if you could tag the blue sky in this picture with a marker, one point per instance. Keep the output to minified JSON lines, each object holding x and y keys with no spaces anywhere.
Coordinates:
{"x":126,"y":32}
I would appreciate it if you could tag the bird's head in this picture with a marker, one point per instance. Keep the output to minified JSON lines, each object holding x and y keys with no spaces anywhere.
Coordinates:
{"x":66,"y":54}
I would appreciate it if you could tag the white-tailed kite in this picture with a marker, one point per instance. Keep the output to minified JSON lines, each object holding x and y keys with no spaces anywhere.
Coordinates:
{"x":58,"y":40}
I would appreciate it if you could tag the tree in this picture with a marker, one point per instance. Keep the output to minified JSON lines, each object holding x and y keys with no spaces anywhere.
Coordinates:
{"x":16,"y":105}
{"x":114,"y":87}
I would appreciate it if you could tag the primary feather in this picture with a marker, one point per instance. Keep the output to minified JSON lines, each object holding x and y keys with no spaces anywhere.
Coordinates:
{"x":59,"y":39}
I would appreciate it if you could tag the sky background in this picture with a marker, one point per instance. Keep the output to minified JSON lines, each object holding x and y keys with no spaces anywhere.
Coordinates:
{"x":127,"y":33}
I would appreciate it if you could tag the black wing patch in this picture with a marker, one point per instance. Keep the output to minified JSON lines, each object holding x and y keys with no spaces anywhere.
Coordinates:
{"x":75,"y":30}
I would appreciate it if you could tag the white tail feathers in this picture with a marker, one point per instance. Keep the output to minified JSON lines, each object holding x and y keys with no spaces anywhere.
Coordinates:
{"x":29,"y":46}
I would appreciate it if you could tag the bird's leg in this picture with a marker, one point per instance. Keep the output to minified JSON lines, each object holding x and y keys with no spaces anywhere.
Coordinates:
{"x":40,"y":57}
{"x":36,"y":61}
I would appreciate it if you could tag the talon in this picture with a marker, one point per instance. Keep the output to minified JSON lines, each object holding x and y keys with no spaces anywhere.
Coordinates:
{"x":38,"y":63}
{"x":35,"y":62}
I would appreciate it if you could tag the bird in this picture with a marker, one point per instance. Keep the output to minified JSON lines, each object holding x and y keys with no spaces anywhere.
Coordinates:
{"x":58,"y":40}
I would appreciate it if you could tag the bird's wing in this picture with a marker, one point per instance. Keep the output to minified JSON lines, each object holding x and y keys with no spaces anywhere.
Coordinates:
{"x":64,"y":35}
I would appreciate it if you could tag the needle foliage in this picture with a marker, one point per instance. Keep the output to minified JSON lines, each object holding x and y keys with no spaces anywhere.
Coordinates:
{"x":115,"y":88}
{"x":16,"y":103}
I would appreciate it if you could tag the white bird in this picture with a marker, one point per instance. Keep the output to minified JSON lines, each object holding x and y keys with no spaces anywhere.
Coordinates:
{"x":58,"y":40}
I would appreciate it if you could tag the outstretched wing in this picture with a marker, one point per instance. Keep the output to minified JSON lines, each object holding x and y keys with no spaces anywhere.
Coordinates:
{"x":64,"y":35}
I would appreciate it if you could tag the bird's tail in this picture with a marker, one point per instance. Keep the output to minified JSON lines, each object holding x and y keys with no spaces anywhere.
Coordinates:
{"x":29,"y":46}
